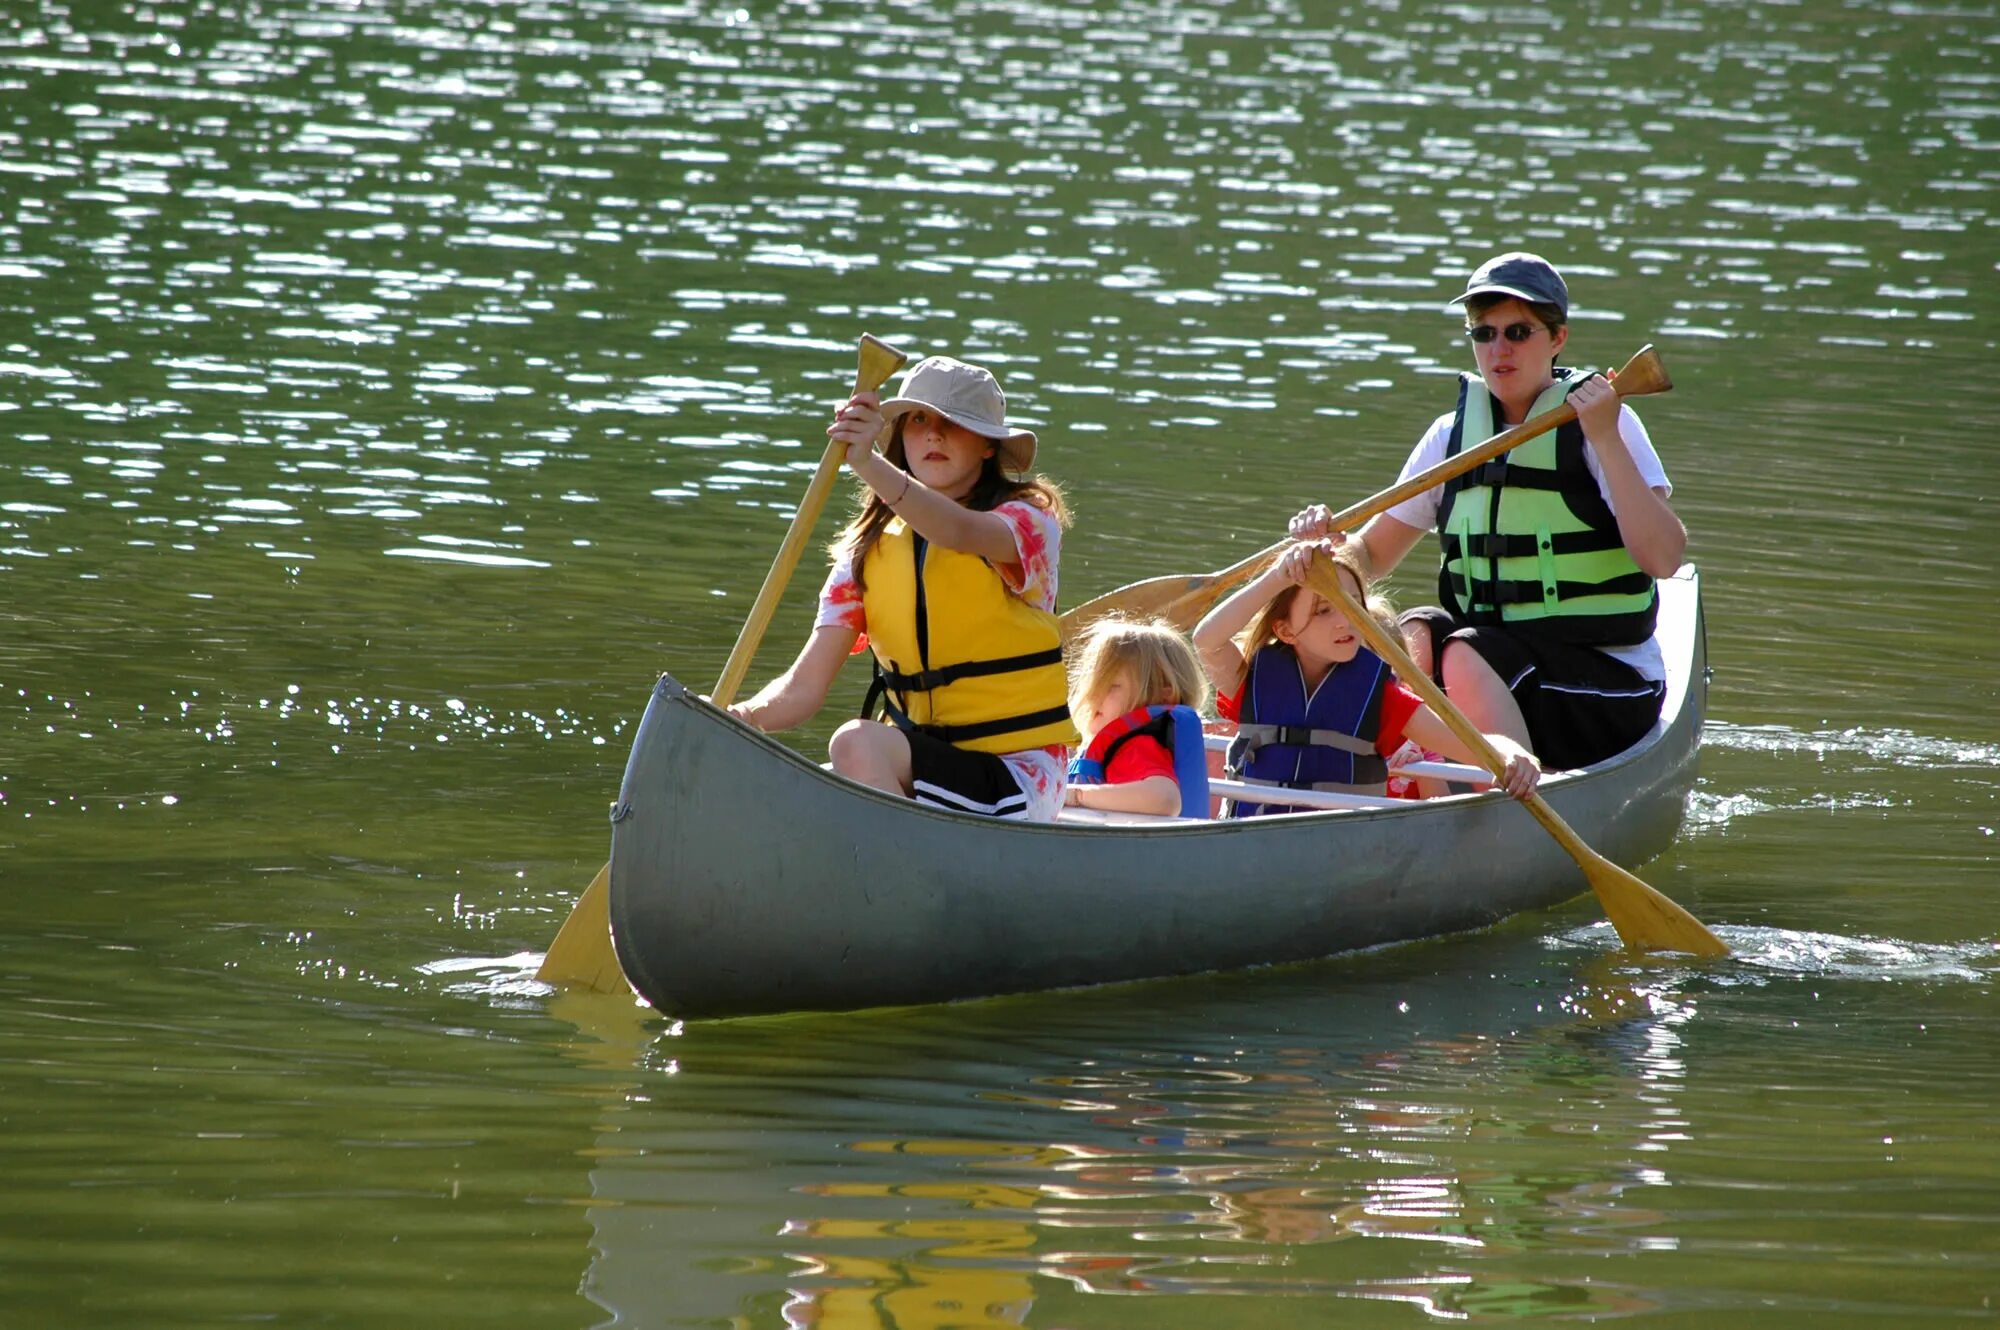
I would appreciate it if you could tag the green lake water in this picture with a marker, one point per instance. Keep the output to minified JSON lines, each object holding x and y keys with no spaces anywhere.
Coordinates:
{"x":388,"y":391}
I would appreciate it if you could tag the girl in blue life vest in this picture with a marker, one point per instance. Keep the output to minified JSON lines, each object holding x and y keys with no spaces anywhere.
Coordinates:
{"x":1315,"y":709}
{"x":1136,"y":692}
{"x":949,"y":570}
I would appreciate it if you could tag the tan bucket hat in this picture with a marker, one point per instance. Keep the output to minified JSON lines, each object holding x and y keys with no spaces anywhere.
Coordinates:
{"x":966,"y":395}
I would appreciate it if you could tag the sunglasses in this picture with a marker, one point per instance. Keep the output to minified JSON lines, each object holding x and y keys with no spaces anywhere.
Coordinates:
{"x":1516,"y":332}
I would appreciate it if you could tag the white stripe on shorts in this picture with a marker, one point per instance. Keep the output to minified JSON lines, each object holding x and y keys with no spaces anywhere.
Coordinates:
{"x":1012,"y":808}
{"x":1649,"y":690}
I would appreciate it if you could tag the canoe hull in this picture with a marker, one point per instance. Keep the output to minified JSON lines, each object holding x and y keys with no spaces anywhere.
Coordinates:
{"x":746,"y":879}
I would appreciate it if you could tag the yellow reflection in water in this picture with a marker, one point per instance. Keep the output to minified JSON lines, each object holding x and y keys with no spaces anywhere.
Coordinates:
{"x":1175,"y":1176}
{"x":926,"y":1292}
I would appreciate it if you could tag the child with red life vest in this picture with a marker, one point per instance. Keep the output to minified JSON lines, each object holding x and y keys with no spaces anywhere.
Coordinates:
{"x":1136,"y":691}
{"x":1315,"y":709}
{"x":949,"y":570}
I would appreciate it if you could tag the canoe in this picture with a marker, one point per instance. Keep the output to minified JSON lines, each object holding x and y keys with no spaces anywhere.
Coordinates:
{"x":748,"y":879}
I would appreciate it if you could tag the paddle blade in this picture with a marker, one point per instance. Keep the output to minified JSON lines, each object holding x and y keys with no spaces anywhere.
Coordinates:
{"x":1643,"y":375}
{"x":582,"y":955}
{"x":1155,"y":597}
{"x":1645,"y":919}
{"x":878,"y":361}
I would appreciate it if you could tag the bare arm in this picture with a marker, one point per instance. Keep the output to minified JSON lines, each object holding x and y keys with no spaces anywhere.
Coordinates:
{"x":796,"y":695}
{"x":941,"y":520}
{"x":1430,"y":731}
{"x":1158,"y":795}
{"x":1215,"y":636}
{"x":1384,"y":542}
{"x":1653,"y":534}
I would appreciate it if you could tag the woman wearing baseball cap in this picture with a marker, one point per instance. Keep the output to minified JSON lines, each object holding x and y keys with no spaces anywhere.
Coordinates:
{"x":1548,"y":553}
{"x":949,"y":569}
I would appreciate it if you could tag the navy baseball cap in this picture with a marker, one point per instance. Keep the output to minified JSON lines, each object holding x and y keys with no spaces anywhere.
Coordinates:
{"x":1528,"y":277}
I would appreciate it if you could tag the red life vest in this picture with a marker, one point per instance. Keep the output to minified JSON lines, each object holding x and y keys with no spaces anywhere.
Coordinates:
{"x":1178,"y":728}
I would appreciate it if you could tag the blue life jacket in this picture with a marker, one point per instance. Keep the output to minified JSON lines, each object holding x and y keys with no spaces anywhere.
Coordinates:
{"x":1322,"y":742}
{"x":1179,"y":728}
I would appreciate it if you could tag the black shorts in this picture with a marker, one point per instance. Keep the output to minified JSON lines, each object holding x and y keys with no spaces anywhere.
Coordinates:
{"x":962,"y":780}
{"x":1581,"y":705}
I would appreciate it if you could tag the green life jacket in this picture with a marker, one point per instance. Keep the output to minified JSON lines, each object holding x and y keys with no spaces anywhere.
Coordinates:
{"x":1529,"y":540}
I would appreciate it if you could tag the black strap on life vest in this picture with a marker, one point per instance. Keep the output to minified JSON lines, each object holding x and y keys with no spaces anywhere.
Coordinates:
{"x":1508,"y":545}
{"x":891,"y":686}
{"x":1160,"y":727}
{"x":1571,"y":479}
{"x":925,"y":680}
{"x":956,"y":734}
{"x":1527,"y":591}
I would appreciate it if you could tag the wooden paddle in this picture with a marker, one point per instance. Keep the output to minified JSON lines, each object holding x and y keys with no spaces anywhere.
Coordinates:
{"x":581,"y":954}
{"x":1645,"y":919}
{"x":1182,"y":599}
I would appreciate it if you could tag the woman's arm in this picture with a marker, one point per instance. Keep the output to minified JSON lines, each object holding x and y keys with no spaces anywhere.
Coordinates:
{"x":796,"y":695}
{"x":1653,"y":534}
{"x":1387,"y":538}
{"x":1523,"y":770}
{"x":1384,"y":542}
{"x":1158,"y":795}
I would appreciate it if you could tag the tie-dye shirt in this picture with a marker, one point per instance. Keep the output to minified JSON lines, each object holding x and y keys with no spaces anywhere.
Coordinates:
{"x":1039,"y":772}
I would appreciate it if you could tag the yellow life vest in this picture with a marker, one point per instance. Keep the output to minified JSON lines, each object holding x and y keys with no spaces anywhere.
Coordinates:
{"x":961,"y":657}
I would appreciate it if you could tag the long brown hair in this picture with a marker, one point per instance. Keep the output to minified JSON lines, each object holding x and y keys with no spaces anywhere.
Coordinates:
{"x":993,"y":488}
{"x":1263,"y":629}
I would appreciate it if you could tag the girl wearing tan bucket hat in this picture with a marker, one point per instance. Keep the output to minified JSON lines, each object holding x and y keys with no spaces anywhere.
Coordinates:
{"x":948,"y":573}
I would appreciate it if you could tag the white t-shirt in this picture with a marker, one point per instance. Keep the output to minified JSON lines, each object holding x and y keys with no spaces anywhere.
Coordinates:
{"x":1422,"y":510}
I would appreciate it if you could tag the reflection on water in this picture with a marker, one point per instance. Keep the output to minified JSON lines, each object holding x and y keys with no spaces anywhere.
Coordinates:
{"x":388,"y":390}
{"x":1388,"y":1133}
{"x":1207,"y":1166}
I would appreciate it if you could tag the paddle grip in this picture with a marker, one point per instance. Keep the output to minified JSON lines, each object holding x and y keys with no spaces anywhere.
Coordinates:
{"x":877,"y":361}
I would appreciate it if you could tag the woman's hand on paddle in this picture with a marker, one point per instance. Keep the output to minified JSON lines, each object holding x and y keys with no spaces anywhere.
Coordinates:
{"x":857,"y":422}
{"x":1597,"y":405}
{"x":1314,"y":523}
{"x":1523,"y":772}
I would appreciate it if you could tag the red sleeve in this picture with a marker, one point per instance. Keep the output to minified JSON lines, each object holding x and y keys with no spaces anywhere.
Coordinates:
{"x":1231,"y":707}
{"x":1137,"y":758}
{"x":1398,"y":705}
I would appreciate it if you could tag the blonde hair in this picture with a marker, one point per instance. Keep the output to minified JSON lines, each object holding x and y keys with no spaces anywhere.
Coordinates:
{"x":1164,"y":667}
{"x":1263,"y":629}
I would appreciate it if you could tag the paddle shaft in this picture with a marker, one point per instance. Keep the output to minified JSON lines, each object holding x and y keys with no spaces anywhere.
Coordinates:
{"x":1643,"y":374}
{"x":582,"y":955}
{"x":1325,"y":579}
{"x":874,"y":370}
{"x":1647,"y":920}
{"x":1374,"y":506}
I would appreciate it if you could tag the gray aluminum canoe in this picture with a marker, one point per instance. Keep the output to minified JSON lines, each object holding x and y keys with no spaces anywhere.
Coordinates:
{"x":747,"y":879}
